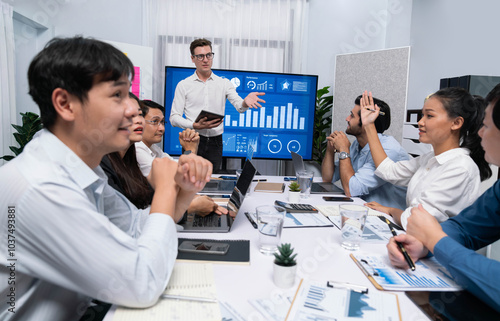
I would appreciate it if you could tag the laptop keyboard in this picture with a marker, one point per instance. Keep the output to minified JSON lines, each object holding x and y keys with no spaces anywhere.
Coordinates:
{"x":207,"y":221}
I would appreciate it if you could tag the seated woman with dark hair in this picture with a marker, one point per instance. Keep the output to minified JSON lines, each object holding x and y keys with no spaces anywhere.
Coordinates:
{"x":125,"y":176}
{"x":455,"y":241}
{"x":445,"y":180}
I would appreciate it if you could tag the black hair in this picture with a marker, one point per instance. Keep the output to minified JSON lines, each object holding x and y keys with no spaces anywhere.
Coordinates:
{"x":493,"y":98}
{"x":147,"y":104}
{"x":134,"y":185}
{"x":383,"y":122}
{"x":75,"y":65}
{"x":458,"y":102}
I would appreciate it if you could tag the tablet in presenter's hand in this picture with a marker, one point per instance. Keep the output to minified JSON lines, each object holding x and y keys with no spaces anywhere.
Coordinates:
{"x":209,"y":115}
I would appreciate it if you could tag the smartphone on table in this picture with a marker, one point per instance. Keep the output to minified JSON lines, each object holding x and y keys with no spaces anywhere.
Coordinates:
{"x":337,"y":199}
{"x":195,"y":246}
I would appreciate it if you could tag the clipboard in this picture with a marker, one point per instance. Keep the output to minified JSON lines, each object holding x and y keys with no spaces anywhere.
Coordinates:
{"x":430,"y":275}
{"x":318,"y":300}
{"x":210,"y":116}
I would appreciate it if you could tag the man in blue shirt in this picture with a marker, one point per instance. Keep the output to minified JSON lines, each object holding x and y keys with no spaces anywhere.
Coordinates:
{"x":355,"y":167}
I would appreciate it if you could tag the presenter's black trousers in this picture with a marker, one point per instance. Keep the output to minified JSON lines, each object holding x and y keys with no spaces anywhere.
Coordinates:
{"x":211,"y":148}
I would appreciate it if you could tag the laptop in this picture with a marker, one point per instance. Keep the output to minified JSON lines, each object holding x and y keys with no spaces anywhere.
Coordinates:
{"x":214,"y":223}
{"x":316,"y":188}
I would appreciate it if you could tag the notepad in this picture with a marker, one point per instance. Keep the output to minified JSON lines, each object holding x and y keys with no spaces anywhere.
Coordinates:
{"x":268,"y":187}
{"x":429,"y":275}
{"x":189,"y":279}
{"x":315,"y":301}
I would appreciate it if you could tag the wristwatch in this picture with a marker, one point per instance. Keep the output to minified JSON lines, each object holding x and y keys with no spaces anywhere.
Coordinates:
{"x":344,"y":155}
{"x":187,"y":152}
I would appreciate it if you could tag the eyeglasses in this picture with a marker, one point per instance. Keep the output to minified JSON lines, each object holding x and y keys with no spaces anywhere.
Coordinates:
{"x":157,"y":122}
{"x":209,"y":56}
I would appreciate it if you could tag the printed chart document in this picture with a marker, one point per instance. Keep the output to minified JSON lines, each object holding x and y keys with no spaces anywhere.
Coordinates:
{"x":191,"y":280}
{"x":429,"y":275}
{"x":302,"y":220}
{"x":376,"y":230}
{"x":315,"y":301}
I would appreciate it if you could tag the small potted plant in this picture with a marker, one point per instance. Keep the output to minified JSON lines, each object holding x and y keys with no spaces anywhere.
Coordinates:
{"x":285,"y":266}
{"x":294,"y":192}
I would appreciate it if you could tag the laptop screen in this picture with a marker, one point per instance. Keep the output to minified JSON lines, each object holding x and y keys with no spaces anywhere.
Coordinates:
{"x":298,"y":162}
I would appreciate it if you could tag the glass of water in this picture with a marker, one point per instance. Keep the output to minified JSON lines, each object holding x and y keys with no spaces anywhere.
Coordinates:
{"x":270,"y":220}
{"x":353,"y":224}
{"x":305,"y":179}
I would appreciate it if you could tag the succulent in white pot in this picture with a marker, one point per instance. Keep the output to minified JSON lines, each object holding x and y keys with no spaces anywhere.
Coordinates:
{"x":285,"y":266}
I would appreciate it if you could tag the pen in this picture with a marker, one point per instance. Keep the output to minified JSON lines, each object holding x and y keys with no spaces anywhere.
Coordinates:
{"x":187,"y":298}
{"x":344,"y":285}
{"x":251,"y":220}
{"x":380,"y":112}
{"x":401,"y":247}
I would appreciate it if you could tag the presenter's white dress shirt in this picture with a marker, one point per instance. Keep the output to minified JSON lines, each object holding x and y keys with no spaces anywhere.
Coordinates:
{"x":76,"y":238}
{"x":193,"y":95}
{"x":444,"y":184}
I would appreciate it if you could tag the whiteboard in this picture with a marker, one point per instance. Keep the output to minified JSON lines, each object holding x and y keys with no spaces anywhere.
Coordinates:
{"x":141,"y":57}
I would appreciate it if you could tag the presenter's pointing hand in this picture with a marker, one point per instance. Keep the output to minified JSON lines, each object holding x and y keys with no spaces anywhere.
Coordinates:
{"x":253,"y":100}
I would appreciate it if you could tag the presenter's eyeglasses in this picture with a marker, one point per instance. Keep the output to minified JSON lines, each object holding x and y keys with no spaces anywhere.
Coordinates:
{"x":209,"y":56}
{"x":156,"y":122}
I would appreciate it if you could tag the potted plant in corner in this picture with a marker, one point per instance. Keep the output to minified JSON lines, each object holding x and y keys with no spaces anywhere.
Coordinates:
{"x":294,"y":192}
{"x":285,"y":266}
{"x":31,"y":125}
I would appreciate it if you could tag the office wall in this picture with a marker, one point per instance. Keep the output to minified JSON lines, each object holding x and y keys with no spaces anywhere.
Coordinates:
{"x":345,"y":26}
{"x":451,"y":38}
{"x":109,"y":20}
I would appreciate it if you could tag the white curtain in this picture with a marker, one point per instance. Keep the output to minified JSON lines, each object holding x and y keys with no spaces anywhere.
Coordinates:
{"x":7,"y":79}
{"x":257,"y":35}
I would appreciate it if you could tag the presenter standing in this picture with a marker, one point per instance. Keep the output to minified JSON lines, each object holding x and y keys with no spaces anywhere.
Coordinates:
{"x":206,"y":91}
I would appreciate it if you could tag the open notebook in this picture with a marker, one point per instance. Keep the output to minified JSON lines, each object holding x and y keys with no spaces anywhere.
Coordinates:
{"x":195,"y":280}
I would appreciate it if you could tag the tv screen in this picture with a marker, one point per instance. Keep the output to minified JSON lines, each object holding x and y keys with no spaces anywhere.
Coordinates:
{"x":285,"y":122}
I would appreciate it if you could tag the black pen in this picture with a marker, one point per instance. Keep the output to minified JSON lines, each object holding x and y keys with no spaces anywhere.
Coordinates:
{"x":401,"y":247}
{"x":251,"y":220}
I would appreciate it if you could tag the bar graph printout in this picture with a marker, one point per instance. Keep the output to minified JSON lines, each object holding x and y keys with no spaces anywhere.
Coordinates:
{"x":429,"y":275}
{"x":315,"y":301}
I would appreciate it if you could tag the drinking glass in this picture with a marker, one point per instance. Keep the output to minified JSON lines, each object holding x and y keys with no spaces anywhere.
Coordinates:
{"x":270,"y":220}
{"x":353,"y":223}
{"x":305,"y":179}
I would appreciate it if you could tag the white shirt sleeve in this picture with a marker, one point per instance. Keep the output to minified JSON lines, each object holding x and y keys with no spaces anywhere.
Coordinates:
{"x":144,"y":158}
{"x":77,"y":248}
{"x":234,"y":98}
{"x":398,"y":173}
{"x":178,"y":106}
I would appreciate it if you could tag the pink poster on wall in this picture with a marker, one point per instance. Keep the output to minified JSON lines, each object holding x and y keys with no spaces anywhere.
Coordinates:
{"x":136,"y":83}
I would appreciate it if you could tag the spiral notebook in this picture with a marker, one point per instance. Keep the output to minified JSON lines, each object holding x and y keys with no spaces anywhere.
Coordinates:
{"x":188,"y":279}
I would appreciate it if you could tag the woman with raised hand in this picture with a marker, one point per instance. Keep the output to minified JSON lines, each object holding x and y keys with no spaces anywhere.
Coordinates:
{"x":455,"y":241}
{"x":445,"y":180}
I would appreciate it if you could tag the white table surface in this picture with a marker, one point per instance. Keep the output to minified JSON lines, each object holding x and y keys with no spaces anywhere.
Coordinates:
{"x":320,"y":257}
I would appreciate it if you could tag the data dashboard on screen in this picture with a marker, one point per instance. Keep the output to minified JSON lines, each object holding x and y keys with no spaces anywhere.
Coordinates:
{"x":285,"y":122}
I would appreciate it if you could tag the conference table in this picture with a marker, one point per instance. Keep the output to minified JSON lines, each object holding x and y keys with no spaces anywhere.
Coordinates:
{"x":320,"y":258}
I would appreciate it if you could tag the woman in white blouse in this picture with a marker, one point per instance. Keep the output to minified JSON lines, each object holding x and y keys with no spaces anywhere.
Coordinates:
{"x":446,"y":180}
